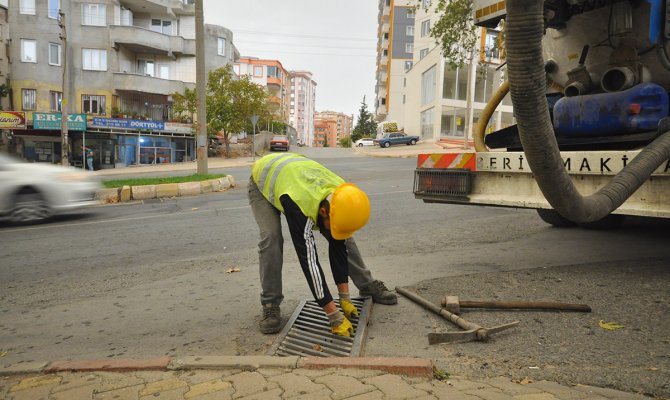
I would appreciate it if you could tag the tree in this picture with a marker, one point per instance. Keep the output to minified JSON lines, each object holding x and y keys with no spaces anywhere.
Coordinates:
{"x":184,"y":105}
{"x":345,"y":141}
{"x":230,"y":103}
{"x":456,"y":33}
{"x":365,"y":125}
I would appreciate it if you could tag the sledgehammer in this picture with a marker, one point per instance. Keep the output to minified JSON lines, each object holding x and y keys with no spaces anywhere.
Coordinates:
{"x":454,"y":305}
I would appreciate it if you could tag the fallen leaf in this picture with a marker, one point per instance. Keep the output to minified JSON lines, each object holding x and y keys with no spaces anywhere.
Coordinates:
{"x":524,"y":381}
{"x":610,"y":326}
{"x":3,"y":353}
{"x":651,"y":369}
{"x":194,"y":209}
{"x":317,"y":347}
{"x":231,"y":270}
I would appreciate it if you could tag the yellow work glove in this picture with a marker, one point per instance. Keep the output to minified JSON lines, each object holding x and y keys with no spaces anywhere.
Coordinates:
{"x":348,"y":308}
{"x":343,"y":329}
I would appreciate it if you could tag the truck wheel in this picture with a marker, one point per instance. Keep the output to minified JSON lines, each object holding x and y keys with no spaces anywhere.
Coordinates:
{"x":552,"y":217}
{"x":386,"y":144}
{"x":412,"y":142}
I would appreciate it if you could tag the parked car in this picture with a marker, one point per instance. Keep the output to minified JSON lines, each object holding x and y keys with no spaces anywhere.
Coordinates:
{"x":396,"y":138}
{"x":364,"y":142}
{"x":34,"y":192}
{"x":279,"y":142}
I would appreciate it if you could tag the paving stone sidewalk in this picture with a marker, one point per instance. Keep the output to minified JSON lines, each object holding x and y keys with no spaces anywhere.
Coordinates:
{"x":282,"y":383}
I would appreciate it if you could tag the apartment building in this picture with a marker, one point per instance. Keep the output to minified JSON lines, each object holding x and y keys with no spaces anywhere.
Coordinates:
{"x":4,"y":60}
{"x":123,"y":60}
{"x":302,"y":106}
{"x":325,"y":133}
{"x":395,"y":49}
{"x":343,"y":122}
{"x":271,"y":75}
{"x":436,"y":97}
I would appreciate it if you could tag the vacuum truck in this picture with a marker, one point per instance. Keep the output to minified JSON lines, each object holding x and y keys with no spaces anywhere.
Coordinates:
{"x":589,"y":82}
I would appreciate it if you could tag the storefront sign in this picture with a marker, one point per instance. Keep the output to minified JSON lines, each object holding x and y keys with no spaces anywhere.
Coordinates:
{"x":12,"y":120}
{"x":178,"y":127}
{"x":127,"y":124}
{"x":52,"y":121}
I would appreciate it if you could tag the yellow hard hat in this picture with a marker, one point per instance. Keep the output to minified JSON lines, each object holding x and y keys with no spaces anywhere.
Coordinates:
{"x":349,"y":211}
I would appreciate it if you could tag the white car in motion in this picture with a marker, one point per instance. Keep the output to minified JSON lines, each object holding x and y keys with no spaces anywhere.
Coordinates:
{"x":34,"y":192}
{"x":364,"y":142}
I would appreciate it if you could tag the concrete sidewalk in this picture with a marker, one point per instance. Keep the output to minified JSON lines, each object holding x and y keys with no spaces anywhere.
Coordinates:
{"x":265,"y":377}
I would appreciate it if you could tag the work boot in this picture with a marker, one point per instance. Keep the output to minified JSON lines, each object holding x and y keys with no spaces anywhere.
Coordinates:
{"x":379,"y":293}
{"x":271,"y":320}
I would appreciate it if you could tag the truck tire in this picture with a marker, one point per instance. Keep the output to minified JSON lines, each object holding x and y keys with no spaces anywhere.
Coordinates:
{"x":386,"y":144}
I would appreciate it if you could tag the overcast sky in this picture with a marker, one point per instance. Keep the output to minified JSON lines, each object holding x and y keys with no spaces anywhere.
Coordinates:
{"x":335,"y":40}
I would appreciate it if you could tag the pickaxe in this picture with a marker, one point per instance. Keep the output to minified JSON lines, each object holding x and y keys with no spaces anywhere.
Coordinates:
{"x":454,"y":305}
{"x":472,"y":330}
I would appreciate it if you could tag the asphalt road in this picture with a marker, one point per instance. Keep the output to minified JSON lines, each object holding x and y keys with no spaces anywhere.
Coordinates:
{"x":148,"y":279}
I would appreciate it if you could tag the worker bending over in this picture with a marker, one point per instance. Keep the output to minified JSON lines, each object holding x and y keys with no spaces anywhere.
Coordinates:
{"x":311,"y":197}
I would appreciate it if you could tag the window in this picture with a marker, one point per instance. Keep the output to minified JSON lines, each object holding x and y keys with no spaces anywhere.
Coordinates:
{"x":29,"y":99}
{"x":425,"y":28}
{"x":425,"y":3}
{"x":54,"y":7}
{"x":409,"y":47}
{"x":161,"y":26}
{"x":27,"y":7}
{"x":409,"y":30}
{"x":427,"y":123}
{"x":28,"y":50}
{"x":408,"y":65}
{"x":423,"y":53}
{"x":91,"y":104}
{"x":94,"y":59}
{"x":411,"y":13}
{"x":428,"y":86}
{"x":163,"y":71}
{"x":258,"y":71}
{"x":146,"y":67}
{"x":221,"y":47}
{"x":55,"y":101}
{"x":54,"y":54}
{"x":93,"y":14}
{"x":236,"y":69}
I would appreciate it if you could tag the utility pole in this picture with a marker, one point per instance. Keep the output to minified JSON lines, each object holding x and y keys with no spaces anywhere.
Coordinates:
{"x":65,"y":147}
{"x":200,"y":86}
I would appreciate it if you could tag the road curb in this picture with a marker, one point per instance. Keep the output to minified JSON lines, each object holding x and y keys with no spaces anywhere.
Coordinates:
{"x":414,"y":367}
{"x":165,"y":190}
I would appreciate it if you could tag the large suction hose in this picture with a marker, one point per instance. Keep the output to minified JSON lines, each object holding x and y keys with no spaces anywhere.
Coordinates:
{"x":524,"y":33}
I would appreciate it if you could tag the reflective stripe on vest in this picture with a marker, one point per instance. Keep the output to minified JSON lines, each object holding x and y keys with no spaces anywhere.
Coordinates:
{"x":283,"y":161}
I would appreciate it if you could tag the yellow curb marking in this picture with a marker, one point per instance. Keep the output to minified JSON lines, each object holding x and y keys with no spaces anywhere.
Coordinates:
{"x":36,"y":381}
{"x":162,"y":386}
{"x":207,"y":387}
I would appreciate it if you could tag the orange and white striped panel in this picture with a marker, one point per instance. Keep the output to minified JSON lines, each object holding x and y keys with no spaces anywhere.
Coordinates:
{"x":448,"y":160}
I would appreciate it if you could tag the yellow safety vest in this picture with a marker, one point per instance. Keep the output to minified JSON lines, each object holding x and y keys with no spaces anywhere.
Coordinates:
{"x":306,"y":181}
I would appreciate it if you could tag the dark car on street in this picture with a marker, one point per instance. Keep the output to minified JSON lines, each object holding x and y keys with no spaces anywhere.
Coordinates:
{"x":393,"y":138}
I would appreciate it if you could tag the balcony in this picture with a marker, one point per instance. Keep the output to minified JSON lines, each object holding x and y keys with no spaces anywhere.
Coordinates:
{"x":149,"y":84}
{"x":160,"y":6}
{"x":141,"y":40}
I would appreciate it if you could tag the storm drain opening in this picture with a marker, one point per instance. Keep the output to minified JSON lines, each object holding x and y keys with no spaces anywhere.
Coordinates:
{"x":307,"y":332}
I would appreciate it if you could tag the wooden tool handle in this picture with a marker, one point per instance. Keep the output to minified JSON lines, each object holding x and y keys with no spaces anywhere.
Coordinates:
{"x":525,"y":305}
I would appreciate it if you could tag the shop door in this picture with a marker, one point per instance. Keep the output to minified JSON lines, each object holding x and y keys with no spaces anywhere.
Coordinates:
{"x":107,"y":154}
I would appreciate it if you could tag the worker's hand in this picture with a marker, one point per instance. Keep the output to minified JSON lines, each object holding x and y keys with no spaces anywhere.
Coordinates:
{"x":348,"y":308}
{"x":344,"y":329}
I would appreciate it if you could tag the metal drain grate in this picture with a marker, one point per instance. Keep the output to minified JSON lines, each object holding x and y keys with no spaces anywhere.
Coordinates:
{"x":307,"y":333}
